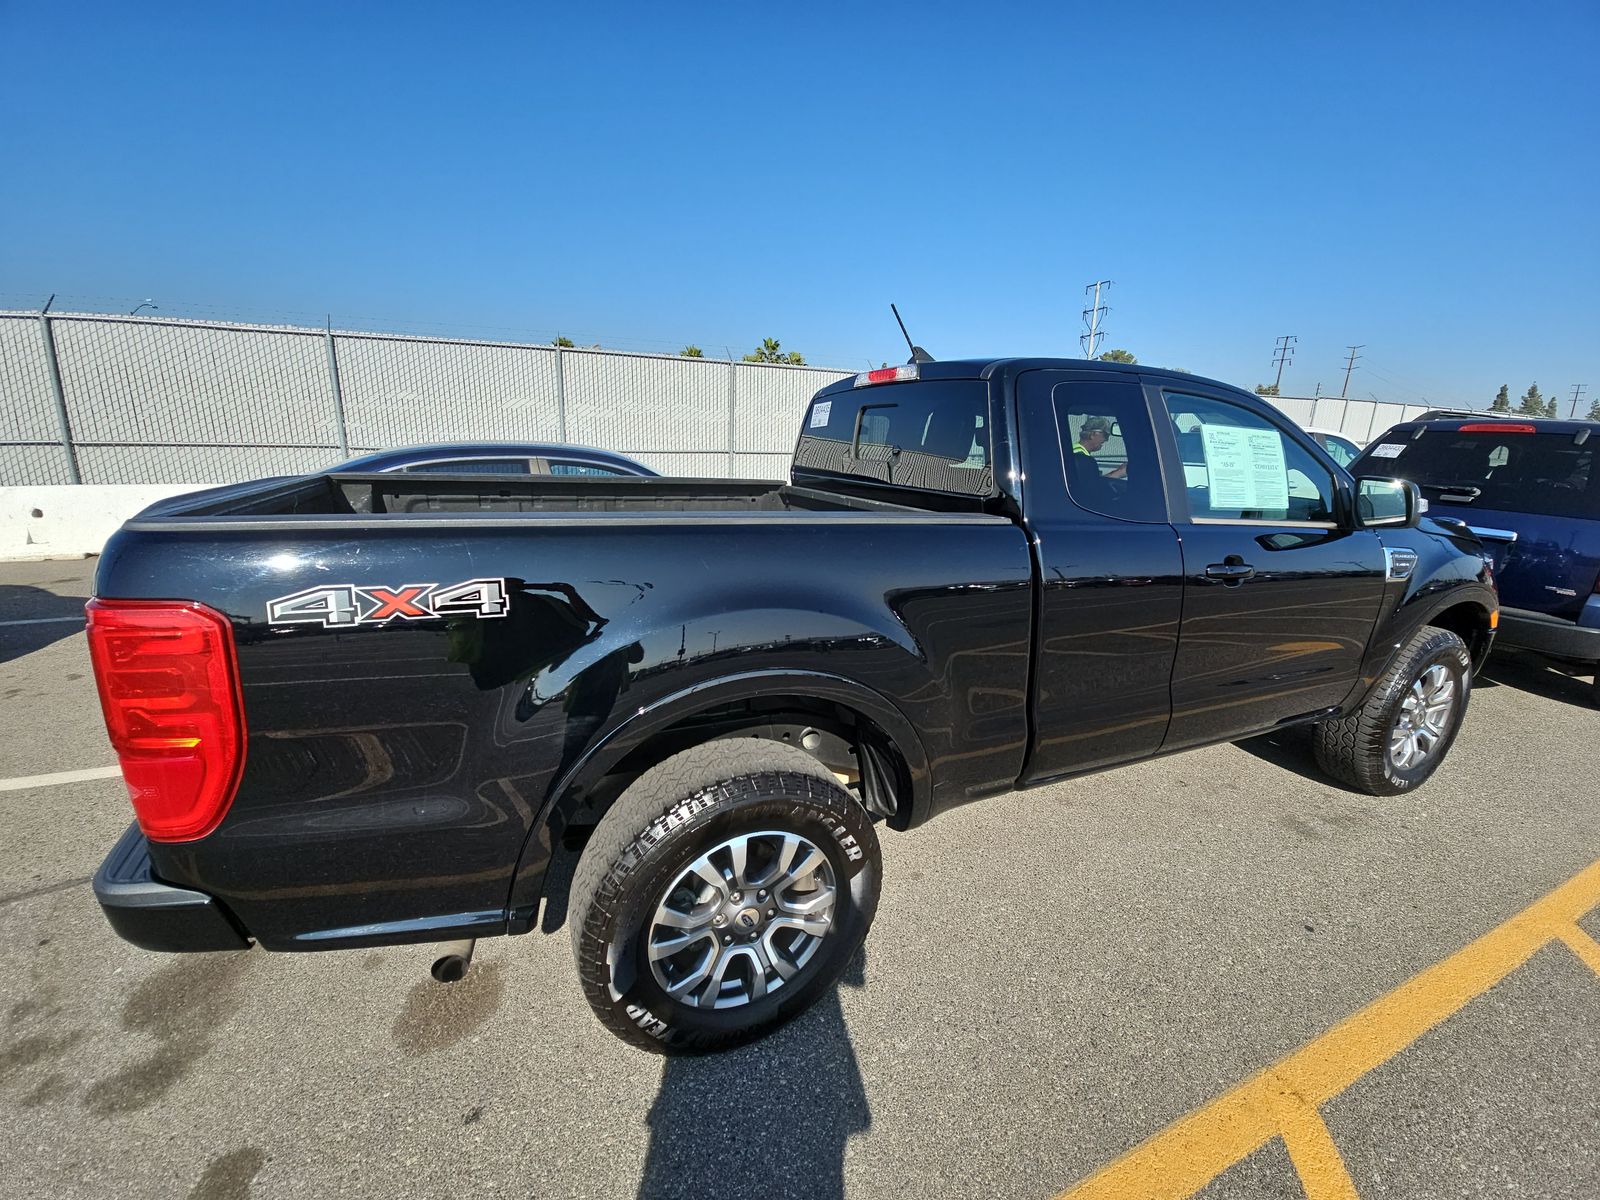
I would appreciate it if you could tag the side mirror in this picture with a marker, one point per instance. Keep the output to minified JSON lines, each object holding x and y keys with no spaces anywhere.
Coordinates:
{"x":1381,"y":502}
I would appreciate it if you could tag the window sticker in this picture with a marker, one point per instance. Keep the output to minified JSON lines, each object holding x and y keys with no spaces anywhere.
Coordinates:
{"x":820,"y":414}
{"x":1246,"y":468}
{"x":1388,"y":450}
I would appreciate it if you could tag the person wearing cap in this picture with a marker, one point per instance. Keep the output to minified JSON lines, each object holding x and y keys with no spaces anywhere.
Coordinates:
{"x":1092,"y":437}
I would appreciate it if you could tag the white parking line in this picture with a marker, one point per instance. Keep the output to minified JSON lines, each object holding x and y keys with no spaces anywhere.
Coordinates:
{"x":21,"y":782}
{"x":42,"y":621}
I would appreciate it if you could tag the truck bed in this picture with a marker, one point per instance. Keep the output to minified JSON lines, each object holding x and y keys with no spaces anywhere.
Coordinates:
{"x":355,"y":495}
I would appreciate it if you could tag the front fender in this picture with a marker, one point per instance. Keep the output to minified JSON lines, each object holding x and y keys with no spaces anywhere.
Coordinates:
{"x":1450,"y":580}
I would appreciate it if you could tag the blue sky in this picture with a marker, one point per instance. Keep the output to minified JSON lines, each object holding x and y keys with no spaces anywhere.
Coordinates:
{"x":1421,"y":178}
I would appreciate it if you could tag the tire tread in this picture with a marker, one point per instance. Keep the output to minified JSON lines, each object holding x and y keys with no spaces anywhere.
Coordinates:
{"x":667,"y":796}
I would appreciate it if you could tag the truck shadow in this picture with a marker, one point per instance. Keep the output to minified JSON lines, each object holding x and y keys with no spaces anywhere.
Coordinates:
{"x":1291,"y":750}
{"x":1538,"y":677}
{"x":771,"y":1119}
{"x":19,"y":602}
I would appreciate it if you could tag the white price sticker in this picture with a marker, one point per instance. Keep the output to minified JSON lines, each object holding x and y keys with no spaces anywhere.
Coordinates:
{"x":819,"y":414}
{"x":1388,"y":450}
{"x":1246,"y":468}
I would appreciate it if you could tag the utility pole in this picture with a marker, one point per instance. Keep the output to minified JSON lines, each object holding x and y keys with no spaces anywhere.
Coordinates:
{"x":1348,"y":367}
{"x":1091,"y":340}
{"x":1282,"y":354}
{"x":1577,"y":393}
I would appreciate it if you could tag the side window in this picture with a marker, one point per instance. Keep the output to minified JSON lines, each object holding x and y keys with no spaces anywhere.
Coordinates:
{"x":470,"y":466}
{"x":1238,"y":466}
{"x":1109,"y":451}
{"x":562,"y":467}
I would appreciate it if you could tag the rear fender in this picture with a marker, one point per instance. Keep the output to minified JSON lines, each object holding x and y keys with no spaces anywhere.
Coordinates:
{"x":610,"y":749}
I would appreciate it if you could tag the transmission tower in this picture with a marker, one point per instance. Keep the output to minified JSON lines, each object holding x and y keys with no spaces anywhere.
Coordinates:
{"x":1577,"y":394}
{"x":1283,"y":355}
{"x":1348,"y":367}
{"x":1090,"y":340}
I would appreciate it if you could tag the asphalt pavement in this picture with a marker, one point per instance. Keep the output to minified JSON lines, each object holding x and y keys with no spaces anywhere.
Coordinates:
{"x":1053,"y":977}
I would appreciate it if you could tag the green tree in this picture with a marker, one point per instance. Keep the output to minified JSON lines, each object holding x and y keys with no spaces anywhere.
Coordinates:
{"x":691,"y":351}
{"x":771,"y":352}
{"x":1266,"y":389}
{"x":564,"y":342}
{"x":1554,"y":407}
{"x":1594,"y":411}
{"x":1502,"y":400}
{"x":1532,"y":402}
{"x":1121,"y":356}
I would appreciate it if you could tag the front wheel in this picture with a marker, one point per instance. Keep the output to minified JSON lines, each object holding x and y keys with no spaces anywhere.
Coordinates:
{"x":1401,"y":733}
{"x":721,"y":895}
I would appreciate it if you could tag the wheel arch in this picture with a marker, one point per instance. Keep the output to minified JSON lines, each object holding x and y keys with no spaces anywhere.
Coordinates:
{"x":1466,"y":612}
{"x":731,"y":706}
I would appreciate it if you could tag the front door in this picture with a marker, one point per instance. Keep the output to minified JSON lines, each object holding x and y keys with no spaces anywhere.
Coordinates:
{"x":1280,"y":591}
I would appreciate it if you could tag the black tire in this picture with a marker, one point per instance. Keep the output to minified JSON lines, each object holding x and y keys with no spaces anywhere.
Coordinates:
{"x":1355,"y":749}
{"x":667,"y":819}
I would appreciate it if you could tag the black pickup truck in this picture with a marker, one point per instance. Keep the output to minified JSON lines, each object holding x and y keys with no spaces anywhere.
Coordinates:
{"x":360,"y":709}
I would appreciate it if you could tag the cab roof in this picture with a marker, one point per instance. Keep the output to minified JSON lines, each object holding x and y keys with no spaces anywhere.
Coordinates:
{"x":984,"y":368}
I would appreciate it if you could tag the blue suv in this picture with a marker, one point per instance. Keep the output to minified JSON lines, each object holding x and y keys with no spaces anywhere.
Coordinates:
{"x":1530,"y":490}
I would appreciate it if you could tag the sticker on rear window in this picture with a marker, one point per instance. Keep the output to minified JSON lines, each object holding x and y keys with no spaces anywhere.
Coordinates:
{"x":1388,"y":450}
{"x":820,"y":414}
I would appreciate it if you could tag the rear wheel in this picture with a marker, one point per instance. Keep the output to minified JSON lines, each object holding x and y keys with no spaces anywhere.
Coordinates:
{"x":1399,"y":736}
{"x":721,"y":895}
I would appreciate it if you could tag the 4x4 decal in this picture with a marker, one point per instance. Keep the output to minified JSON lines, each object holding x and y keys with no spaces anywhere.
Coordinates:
{"x":345,"y":604}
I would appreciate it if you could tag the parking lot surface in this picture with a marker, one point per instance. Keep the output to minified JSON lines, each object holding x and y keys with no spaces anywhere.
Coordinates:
{"x":1085,"y":988}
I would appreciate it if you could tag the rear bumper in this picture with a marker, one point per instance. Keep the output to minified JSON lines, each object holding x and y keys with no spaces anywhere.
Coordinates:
{"x":155,"y":915}
{"x":1521,"y":629}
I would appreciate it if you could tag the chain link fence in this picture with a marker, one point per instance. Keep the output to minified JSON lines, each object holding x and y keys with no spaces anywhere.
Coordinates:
{"x":148,"y":400}
{"x":104,"y":399}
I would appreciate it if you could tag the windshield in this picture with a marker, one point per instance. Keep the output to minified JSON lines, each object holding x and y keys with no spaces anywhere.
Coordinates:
{"x":933,"y":436}
{"x":1544,"y":473}
{"x":1342,"y":450}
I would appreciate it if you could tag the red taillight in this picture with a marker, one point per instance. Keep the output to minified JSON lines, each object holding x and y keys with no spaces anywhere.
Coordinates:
{"x":1498,"y":427}
{"x":169,"y":686}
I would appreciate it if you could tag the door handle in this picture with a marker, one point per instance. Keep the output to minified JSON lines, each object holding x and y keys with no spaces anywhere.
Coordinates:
{"x":1235,"y":570}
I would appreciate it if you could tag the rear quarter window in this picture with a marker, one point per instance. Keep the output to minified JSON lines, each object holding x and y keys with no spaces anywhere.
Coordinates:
{"x":931,"y":436}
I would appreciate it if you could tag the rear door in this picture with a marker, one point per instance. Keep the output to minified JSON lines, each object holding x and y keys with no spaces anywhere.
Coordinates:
{"x":1532,"y":496}
{"x":1280,"y":592}
{"x":1111,"y":584}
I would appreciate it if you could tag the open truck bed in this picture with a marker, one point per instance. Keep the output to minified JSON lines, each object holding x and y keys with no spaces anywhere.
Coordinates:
{"x":345,"y":495}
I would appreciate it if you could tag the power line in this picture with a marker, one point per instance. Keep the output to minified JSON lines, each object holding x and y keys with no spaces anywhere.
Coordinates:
{"x":1283,"y":354}
{"x":1348,"y":367}
{"x":1577,"y":394}
{"x":1091,"y":340}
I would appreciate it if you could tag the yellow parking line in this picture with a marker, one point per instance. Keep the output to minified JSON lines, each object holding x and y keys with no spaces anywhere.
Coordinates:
{"x":1581,"y":944}
{"x":1311,"y":1150}
{"x":1283,"y":1099}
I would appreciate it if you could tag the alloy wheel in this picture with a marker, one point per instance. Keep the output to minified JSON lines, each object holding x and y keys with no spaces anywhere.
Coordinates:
{"x":742,"y":920}
{"x":1423,"y":719}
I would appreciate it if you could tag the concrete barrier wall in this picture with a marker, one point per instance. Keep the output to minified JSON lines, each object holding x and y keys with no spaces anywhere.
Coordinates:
{"x":67,"y":521}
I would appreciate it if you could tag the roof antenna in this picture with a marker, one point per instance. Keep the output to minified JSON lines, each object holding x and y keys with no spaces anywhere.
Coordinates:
{"x":918,"y":354}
